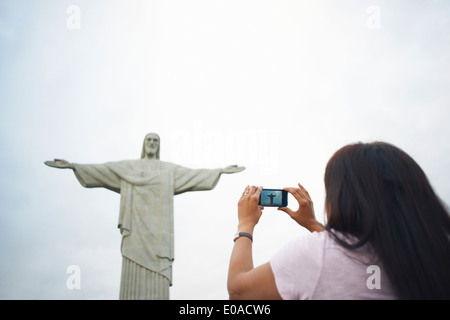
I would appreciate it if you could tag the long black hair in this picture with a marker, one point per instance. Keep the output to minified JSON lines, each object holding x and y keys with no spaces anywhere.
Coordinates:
{"x":379,"y":194}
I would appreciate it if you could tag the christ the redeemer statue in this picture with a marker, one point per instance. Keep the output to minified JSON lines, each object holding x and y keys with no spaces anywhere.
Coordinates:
{"x":146,"y":188}
{"x":271,"y":196}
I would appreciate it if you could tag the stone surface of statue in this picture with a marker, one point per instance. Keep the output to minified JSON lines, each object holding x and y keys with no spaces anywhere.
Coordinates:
{"x":146,"y":187}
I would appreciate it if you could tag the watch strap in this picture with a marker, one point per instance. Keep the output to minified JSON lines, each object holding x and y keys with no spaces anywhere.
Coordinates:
{"x":243,"y":234}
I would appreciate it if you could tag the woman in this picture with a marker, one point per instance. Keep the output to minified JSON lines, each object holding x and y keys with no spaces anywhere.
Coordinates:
{"x":387,"y":235}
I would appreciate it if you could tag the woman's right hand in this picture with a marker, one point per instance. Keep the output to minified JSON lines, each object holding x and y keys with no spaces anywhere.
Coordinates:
{"x":304,"y":215}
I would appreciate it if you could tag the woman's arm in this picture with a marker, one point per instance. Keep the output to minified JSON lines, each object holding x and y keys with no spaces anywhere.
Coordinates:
{"x":245,"y":281}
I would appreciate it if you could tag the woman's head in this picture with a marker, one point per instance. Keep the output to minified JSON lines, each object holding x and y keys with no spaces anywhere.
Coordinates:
{"x":374,"y":183}
{"x":378,"y":193}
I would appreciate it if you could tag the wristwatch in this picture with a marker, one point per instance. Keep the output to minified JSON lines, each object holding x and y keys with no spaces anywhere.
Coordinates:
{"x":242,"y":234}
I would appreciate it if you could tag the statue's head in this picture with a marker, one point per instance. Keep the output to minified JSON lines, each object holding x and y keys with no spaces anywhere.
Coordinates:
{"x":151,"y":146}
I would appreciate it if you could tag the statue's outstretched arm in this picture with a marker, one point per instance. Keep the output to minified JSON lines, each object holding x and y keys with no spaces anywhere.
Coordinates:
{"x":59,"y":163}
{"x":232,"y":169}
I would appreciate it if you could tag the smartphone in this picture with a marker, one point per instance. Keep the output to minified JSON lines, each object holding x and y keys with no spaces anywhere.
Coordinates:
{"x":273,"y":198}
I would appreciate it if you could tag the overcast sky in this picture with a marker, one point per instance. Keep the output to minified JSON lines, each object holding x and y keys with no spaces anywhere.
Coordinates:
{"x":276,"y":86}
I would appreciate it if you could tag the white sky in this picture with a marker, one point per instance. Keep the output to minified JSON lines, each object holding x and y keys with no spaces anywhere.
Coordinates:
{"x":276,"y":86}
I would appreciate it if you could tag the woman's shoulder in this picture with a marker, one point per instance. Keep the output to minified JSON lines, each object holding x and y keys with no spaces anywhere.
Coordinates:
{"x":307,"y":247}
{"x":311,"y":250}
{"x":297,"y":266}
{"x":314,"y":239}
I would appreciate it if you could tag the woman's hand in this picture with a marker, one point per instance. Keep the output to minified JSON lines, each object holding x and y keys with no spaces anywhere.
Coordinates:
{"x":304,"y":215}
{"x":249,"y":211}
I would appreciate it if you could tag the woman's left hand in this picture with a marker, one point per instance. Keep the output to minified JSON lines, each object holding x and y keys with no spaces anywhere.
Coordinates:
{"x":249,"y":211}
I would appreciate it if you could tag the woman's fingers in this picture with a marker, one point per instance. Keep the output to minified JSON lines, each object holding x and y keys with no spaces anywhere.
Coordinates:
{"x":296,"y":193}
{"x":303,"y":190}
{"x":245,"y":193}
{"x":251,"y":191}
{"x":255,"y":191}
{"x":300,"y":194}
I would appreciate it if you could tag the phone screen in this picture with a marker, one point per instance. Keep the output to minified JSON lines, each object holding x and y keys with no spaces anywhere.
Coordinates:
{"x":273,"y":198}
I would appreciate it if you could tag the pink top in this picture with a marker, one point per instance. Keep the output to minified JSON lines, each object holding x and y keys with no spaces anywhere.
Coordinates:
{"x":317,"y":267}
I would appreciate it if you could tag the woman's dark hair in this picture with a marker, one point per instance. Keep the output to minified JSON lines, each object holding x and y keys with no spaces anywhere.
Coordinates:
{"x":379,"y":194}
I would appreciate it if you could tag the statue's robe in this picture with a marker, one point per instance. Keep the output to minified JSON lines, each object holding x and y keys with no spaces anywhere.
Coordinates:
{"x":146,"y":221}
